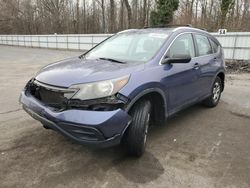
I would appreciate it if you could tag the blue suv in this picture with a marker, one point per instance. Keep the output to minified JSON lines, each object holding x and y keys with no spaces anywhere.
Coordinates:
{"x":134,"y":79}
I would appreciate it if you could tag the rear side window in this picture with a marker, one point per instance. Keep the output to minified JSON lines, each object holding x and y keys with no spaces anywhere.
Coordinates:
{"x":203,"y":45}
{"x":215,"y":46}
{"x":183,"y":45}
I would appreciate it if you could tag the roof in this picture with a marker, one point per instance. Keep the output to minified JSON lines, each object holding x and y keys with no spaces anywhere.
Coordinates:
{"x":166,"y":28}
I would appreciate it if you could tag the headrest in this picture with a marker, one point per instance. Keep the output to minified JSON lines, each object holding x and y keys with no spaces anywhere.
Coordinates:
{"x":178,"y":48}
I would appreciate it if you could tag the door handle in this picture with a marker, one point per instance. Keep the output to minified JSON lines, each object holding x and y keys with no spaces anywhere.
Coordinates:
{"x":196,"y":66}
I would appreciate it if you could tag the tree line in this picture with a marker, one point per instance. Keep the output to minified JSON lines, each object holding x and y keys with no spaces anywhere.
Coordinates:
{"x":109,"y":16}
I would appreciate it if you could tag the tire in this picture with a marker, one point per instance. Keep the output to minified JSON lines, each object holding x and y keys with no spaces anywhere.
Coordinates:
{"x":214,"y":99}
{"x":136,"y":136}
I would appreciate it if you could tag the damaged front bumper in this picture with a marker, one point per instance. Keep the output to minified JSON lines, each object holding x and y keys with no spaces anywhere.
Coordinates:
{"x":98,"y":128}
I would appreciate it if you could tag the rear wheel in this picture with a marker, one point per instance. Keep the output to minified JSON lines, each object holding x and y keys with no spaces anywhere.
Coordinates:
{"x":138,"y":130}
{"x":214,"y":99}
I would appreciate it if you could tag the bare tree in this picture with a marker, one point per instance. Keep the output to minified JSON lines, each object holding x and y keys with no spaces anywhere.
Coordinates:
{"x":101,"y":16}
{"x":129,"y":12}
{"x":121,"y":18}
{"x":112,"y":16}
{"x":144,"y":13}
{"x":55,"y":8}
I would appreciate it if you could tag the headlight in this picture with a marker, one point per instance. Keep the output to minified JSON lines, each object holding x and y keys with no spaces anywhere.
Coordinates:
{"x":100,"y":89}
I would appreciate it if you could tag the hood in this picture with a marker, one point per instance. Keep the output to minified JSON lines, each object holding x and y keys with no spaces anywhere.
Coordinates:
{"x":75,"y":71}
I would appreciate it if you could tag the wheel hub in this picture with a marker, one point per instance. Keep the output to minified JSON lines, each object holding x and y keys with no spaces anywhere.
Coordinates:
{"x":216,"y":91}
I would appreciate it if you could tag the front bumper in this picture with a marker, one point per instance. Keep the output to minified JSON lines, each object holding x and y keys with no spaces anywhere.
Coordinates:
{"x":97,"y":128}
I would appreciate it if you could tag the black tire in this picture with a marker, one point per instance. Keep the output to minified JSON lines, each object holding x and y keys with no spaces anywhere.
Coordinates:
{"x":136,"y":136}
{"x":214,"y":99}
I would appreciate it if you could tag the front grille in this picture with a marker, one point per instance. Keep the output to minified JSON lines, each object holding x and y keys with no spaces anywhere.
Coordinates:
{"x":52,"y":98}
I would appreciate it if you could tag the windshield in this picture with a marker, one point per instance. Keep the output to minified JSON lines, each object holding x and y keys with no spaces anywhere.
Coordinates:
{"x":129,"y":47}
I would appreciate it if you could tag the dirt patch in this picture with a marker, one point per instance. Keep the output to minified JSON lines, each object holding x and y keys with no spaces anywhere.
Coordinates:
{"x":238,"y":66}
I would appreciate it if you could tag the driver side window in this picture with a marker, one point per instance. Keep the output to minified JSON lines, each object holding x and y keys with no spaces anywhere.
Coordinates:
{"x":182,"y":46}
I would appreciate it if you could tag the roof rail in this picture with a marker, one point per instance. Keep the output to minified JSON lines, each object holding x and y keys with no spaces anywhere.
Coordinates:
{"x":168,"y":25}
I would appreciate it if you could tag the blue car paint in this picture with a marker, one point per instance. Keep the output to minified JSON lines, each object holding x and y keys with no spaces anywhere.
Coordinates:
{"x":110,"y":123}
{"x":180,"y":85}
{"x":75,"y":71}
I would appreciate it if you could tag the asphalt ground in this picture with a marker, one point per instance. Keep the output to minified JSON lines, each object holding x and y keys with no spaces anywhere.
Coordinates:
{"x":199,"y":147}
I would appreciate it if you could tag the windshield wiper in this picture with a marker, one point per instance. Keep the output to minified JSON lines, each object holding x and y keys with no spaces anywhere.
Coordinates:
{"x":113,"y":60}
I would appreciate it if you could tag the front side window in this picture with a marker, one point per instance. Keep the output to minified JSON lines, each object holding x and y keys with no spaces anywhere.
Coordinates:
{"x":130,"y":46}
{"x":182,"y":46}
{"x":203,"y":45}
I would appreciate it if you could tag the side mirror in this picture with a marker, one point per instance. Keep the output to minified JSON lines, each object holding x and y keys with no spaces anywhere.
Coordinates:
{"x":179,"y":58}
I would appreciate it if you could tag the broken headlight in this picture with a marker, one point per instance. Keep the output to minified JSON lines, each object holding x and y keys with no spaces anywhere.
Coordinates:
{"x":99,"y":89}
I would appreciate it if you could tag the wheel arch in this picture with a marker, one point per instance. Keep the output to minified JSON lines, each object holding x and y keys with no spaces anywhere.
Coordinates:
{"x":158,"y":101}
{"x":221,"y":75}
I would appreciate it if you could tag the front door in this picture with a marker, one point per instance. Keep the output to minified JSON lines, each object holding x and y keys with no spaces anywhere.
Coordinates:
{"x":181,"y":79}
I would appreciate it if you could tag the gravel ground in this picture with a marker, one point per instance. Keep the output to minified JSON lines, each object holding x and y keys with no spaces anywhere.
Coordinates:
{"x":199,"y":147}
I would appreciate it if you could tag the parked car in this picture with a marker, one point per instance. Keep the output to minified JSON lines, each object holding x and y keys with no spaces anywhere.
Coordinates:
{"x":134,"y":79}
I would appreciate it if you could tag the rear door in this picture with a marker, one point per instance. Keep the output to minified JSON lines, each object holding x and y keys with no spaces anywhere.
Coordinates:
{"x":205,"y":60}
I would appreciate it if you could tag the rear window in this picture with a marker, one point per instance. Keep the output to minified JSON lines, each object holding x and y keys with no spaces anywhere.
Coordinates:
{"x":215,"y":46}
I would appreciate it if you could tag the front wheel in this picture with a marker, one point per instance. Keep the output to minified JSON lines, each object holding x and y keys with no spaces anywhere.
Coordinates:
{"x":214,"y":99}
{"x":137,"y":131}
